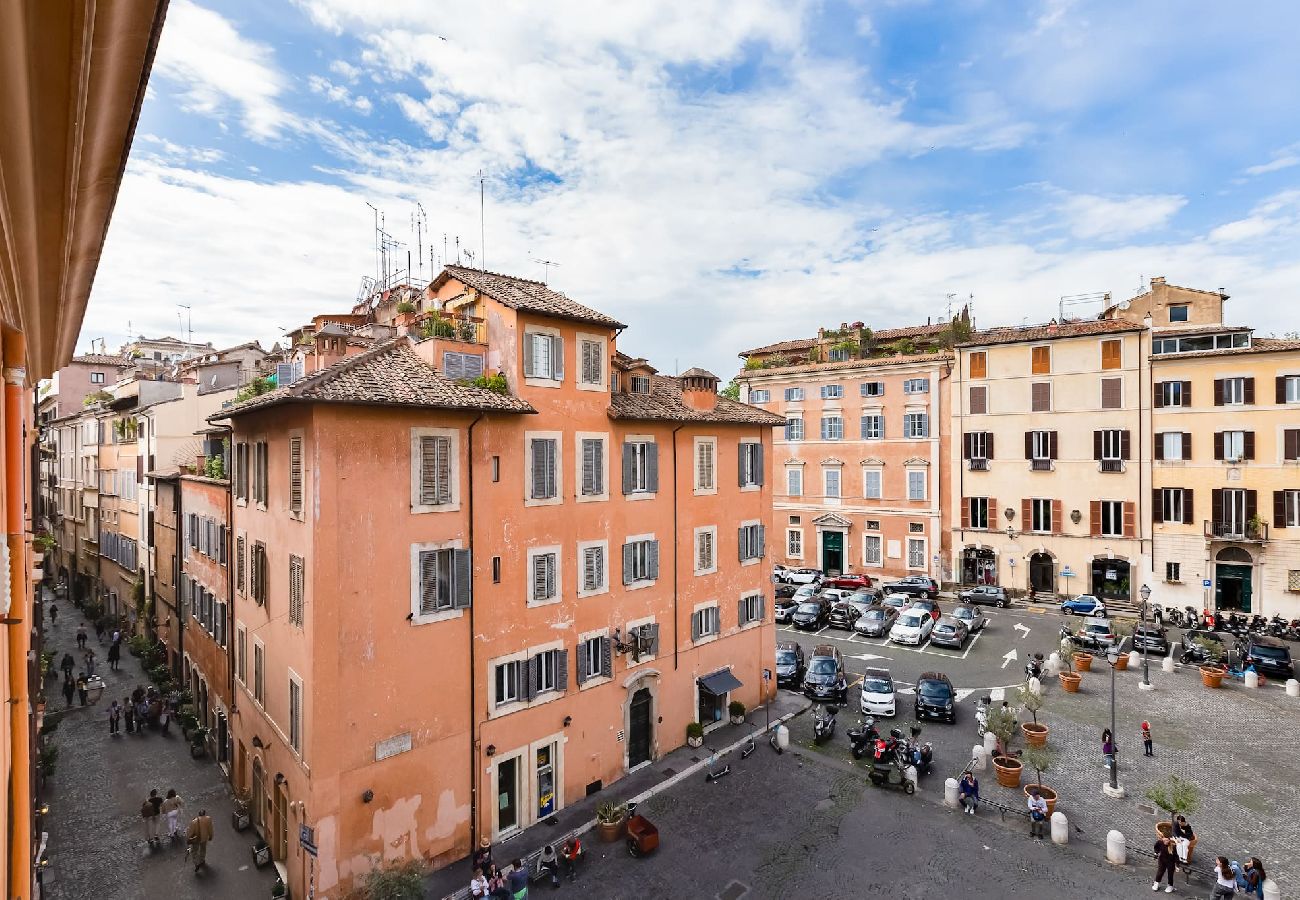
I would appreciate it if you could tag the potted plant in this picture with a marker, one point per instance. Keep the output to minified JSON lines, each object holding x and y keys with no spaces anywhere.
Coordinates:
{"x":198,"y":742}
{"x":611,"y":817}
{"x":1122,"y":629}
{"x":242,"y":817}
{"x":261,"y":853}
{"x":1254,"y":527}
{"x":278,"y":889}
{"x":1069,"y":678}
{"x":737,"y":711}
{"x":695,"y":734}
{"x":1212,"y":671}
{"x":1041,"y":759}
{"x":1082,"y":660}
{"x":1035,"y":732}
{"x":1002,"y":722}
{"x":1176,"y":796}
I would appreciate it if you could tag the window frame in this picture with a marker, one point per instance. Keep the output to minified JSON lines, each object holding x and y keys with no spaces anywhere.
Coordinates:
{"x":750,"y":458}
{"x":916,"y":386}
{"x":879,"y":478}
{"x":1183,"y":310}
{"x":793,"y":394}
{"x":1237,"y":395}
{"x":832,"y":428}
{"x":453,"y":609}
{"x":792,"y":474}
{"x":982,"y":369}
{"x":555,"y":554}
{"x":794,"y":428}
{"x":1040,"y":512}
{"x":581,"y":575}
{"x":1110,"y":518}
{"x":794,"y":543}
{"x":924,"y":543}
{"x":829,"y":474}
{"x":832,"y":392}
{"x":553,"y":375}
{"x":1040,"y":359}
{"x":585,"y":340}
{"x":872,"y":421}
{"x":912,"y":477}
{"x":297,"y":723}
{"x":711,"y":533}
{"x":977,"y":508}
{"x":417,"y":438}
{"x":643,"y":544}
{"x":878,"y":541}
{"x":760,"y":395}
{"x":911,"y":419}
{"x":580,"y":440}
{"x":707,"y":614}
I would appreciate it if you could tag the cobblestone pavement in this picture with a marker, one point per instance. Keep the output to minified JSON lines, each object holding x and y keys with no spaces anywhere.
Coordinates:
{"x":96,"y":835}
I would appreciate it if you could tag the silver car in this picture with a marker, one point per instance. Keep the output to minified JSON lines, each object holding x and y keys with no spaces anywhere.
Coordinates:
{"x":972,"y":618}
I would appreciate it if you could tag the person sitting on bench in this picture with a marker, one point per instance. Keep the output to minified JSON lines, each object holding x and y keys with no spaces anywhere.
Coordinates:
{"x":548,"y":866}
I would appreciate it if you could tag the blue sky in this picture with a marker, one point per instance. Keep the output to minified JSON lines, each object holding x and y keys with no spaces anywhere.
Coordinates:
{"x":716,"y":174}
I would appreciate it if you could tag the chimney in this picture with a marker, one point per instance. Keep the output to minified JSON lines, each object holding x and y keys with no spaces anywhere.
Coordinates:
{"x":699,"y":389}
{"x":1157,"y":279}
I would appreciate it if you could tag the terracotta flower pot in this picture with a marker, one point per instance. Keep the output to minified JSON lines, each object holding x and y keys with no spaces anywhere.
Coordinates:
{"x":1121,"y":662}
{"x":1070,"y":681}
{"x":1212,"y":676}
{"x":1048,"y":795}
{"x":1035,"y":733}
{"x":609,"y":832}
{"x":1007,"y":769}
{"x":1083,"y":662}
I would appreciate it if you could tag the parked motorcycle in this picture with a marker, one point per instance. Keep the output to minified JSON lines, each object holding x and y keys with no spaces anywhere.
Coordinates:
{"x":982,"y":707}
{"x":889,"y":766}
{"x":863,"y":737}
{"x":824,"y":724}
{"x":1034,"y":668}
{"x":920,"y":753}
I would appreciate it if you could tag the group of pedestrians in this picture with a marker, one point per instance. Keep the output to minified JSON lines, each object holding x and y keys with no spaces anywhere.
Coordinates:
{"x":490,"y":883}
{"x":144,"y":708}
{"x":158,"y":812}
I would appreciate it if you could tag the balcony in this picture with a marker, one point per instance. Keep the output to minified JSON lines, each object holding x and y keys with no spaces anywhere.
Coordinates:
{"x":1112,"y":465}
{"x":1243,"y":532}
{"x":979,"y":465}
{"x":1040,"y":465}
{"x":454,"y":327}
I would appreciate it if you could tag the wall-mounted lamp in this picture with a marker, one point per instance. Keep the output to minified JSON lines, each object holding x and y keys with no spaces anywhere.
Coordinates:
{"x":491,"y":749}
{"x":367,"y":796}
{"x":568,"y":720}
{"x":257,"y":743}
{"x":43,"y":809}
{"x":279,"y":778}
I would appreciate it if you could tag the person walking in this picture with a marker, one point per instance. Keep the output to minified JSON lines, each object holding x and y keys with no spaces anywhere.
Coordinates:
{"x":1146,"y":740}
{"x":68,"y":690}
{"x":1108,"y":748}
{"x":171,"y":808}
{"x":968,"y":792}
{"x":1037,"y":813}
{"x":1166,"y":859}
{"x":150,"y":811}
{"x":81,"y":688}
{"x":114,"y":656}
{"x":99,"y":630}
{"x":54,"y":614}
{"x":1225,"y":882}
{"x":198,"y":836}
{"x":128,"y":710}
{"x":67,"y":664}
{"x":81,"y":636}
{"x":117,"y":636}
{"x":114,"y":719}
{"x":89,"y":657}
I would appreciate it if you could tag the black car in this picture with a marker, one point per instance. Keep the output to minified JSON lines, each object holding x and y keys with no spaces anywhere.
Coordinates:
{"x":781,"y":590}
{"x":1152,"y":637}
{"x":811,"y":615}
{"x":824,"y":678}
{"x":876,"y":621}
{"x":922,"y":586}
{"x":784,"y":609}
{"x":789,"y":664}
{"x":846,"y":612}
{"x":1269,"y":656}
{"x":986,"y":593}
{"x":935,"y":697}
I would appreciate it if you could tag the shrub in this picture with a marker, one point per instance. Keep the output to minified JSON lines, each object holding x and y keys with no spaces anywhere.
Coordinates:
{"x":1175,"y":796}
{"x":1040,"y":759}
{"x":496,"y":383}
{"x":402,"y":880}
{"x":736,"y":708}
{"x":48,"y":758}
{"x":255,"y":388}
{"x":96,"y":397}
{"x":405,"y":307}
{"x":1030,"y":700}
{"x":215,"y":467}
{"x":610,"y":813}
{"x":694,"y":730}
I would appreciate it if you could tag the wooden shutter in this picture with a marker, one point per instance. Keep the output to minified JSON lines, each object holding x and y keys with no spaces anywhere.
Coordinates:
{"x":1097,"y":438}
{"x":1187,"y":445}
{"x":1218,"y":444}
{"x":1057,"y":523}
{"x":1252,"y":504}
{"x":654,"y":638}
{"x":529,"y":362}
{"x":1248,"y":445}
{"x":585,"y":663}
{"x":740,"y":458}
{"x":1248,"y":393}
{"x":1279,"y":509}
{"x":742,"y":616}
{"x":695,"y":626}
{"x":435,"y":470}
{"x":1110,"y":354}
{"x":654,"y":559}
{"x":978,"y":365}
{"x":1157,"y":505}
{"x":965,"y":445}
{"x":992,"y":507}
{"x":1159,"y":448}
{"x":533,"y":682}
{"x":1279,"y":389}
{"x":652,"y":467}
{"x":462,"y":579}
{"x":988,"y":445}
{"x":629,"y":562}
{"x":1041,"y":360}
{"x":1029,"y":445}
{"x":557,"y":357}
{"x":1188,"y":506}
{"x":762,"y":540}
{"x":1051,"y":442}
{"x":965,"y":512}
{"x":1158,"y":397}
{"x":1026,"y":515}
{"x":1218,"y":392}
{"x":1112,"y":393}
{"x":543,"y":468}
{"x":1130,"y":519}
{"x":629,"y":469}
{"x":562,"y":671}
{"x":757,"y":451}
{"x":742,"y":542}
{"x":239,"y":563}
{"x":1187,"y":393}
{"x":428,"y":582}
{"x":606,"y":657}
{"x":1291,"y":443}
{"x":1094,"y":518}
{"x":1041,"y":396}
{"x":1216,"y":505}
{"x":590,"y":467}
{"x":1125,"y":448}
{"x":979,"y":400}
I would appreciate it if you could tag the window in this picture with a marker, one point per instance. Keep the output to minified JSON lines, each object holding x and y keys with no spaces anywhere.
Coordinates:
{"x":1173,"y":506}
{"x":1041,"y":360}
{"x":297,"y":590}
{"x":1232,"y":391}
{"x":873,"y":427}
{"x":640,"y":467}
{"x":916,"y":425}
{"x":838,"y":354}
{"x":1232,"y":445}
{"x":794,"y":429}
{"x":1112,"y":393}
{"x":794,"y":543}
{"x":831,"y":479}
{"x":979,"y":364}
{"x":916,"y":386}
{"x":978,"y":512}
{"x":595,"y":658}
{"x":1040,"y":515}
{"x":545,"y":580}
{"x":258,"y":574}
{"x":750,"y":540}
{"x":640,"y":561}
{"x":915,"y":485}
{"x":706,"y":622}
{"x":750,"y":464}
{"x":1286,"y":508}
{"x":1173,"y":393}
{"x":1169,"y":445}
{"x":442,"y":580}
{"x":295,"y":715}
{"x":508,"y":682}
{"x":794,"y":481}
{"x":1172,"y":571}
{"x":916,"y":553}
{"x":793,"y":394}
{"x":1178,"y":312}
{"x":979,"y":400}
{"x":705,"y":558}
{"x":593,"y":365}
{"x":1041,"y":449}
{"x":873,"y":388}
{"x":871,"y":553}
{"x":1288,"y":389}
{"x":871,"y":483}
{"x":1111,"y":354}
{"x":979,"y":449}
{"x":295,"y":475}
{"x":96,"y":377}
{"x":832,"y":428}
{"x":551,"y":672}
{"x":1112,"y":518}
{"x":462,"y":365}
{"x":593,"y":568}
{"x":259,"y":672}
{"x":832,"y":391}
{"x":543,"y":356}
{"x":543,"y":468}
{"x":593,"y":467}
{"x":640,"y":384}
{"x":1111,"y":447}
{"x":704,"y":465}
{"x":434,"y":479}
{"x":241,"y":471}
{"x":760,"y":396}
{"x":241,"y":653}
{"x":1291,"y":444}
{"x":1040,"y":396}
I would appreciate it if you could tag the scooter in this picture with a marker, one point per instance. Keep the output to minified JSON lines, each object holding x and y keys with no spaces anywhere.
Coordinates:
{"x":711,"y":772}
{"x":1034,"y":668}
{"x":982,"y":706}
{"x":824,"y":724}
{"x":863,"y":737}
{"x":888,"y":766}
{"x":921,"y":753}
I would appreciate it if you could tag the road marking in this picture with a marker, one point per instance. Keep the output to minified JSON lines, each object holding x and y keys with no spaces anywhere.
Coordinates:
{"x":1024,"y":629}
{"x":971,"y":645}
{"x":818,"y":633}
{"x":963,"y":693}
{"x":1010,"y":657}
{"x":868,"y":657}
{"x":997,"y":694}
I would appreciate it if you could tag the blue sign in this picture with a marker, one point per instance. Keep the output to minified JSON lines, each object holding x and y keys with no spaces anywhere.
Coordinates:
{"x":1066,"y":573}
{"x":1205,"y":582}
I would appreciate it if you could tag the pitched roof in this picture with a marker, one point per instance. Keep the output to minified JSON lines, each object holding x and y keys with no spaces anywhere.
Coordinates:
{"x":392,"y":374}
{"x":1258,"y":345}
{"x":885,"y":334}
{"x":528,"y":296}
{"x":664,"y":403}
{"x":1050,"y":332}
{"x":848,"y":364}
{"x":697,"y":372}
{"x":782,"y":347}
{"x":102,"y":359}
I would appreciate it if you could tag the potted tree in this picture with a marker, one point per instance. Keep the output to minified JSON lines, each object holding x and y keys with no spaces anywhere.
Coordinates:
{"x":198,"y":742}
{"x":737,"y":711}
{"x":1122,"y":629}
{"x":1041,"y":759}
{"x":695,"y":734}
{"x":611,"y":818}
{"x":1176,"y":796}
{"x":1212,"y":671}
{"x":1035,"y":732}
{"x":1082,"y":660}
{"x":242,"y":816}
{"x":1070,"y":679}
{"x":1002,"y":722}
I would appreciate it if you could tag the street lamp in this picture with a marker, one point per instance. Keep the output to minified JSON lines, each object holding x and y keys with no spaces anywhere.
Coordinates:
{"x":1145,"y":591}
{"x":1113,"y":790}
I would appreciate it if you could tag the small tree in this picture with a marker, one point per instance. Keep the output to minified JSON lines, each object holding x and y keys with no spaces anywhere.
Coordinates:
{"x":1067,"y":655}
{"x":1002,"y":722}
{"x":1212,"y":649}
{"x":1030,"y":700}
{"x":1040,"y":759}
{"x":1175,"y":796}
{"x":398,"y":881}
{"x":731,"y":391}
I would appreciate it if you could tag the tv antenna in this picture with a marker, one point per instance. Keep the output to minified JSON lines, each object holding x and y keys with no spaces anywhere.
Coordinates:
{"x":419,"y":224}
{"x":1079,"y":299}
{"x":482,"y":228}
{"x":546,"y":267}
{"x":189,"y":329}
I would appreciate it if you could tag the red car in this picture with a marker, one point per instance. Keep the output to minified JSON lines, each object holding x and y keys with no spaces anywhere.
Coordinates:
{"x":929,"y":606}
{"x":848,"y":581}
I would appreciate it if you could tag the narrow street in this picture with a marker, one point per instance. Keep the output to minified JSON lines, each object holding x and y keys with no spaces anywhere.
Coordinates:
{"x":96,"y":842}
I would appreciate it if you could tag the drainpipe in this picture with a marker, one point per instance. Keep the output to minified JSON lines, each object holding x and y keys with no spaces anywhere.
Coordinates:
{"x":473,"y":669}
{"x":676,"y":539}
{"x":230,"y":584}
{"x":17,"y":624}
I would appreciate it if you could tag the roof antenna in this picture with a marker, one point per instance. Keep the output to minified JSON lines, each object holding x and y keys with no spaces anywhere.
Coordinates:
{"x":420,"y":222}
{"x":546,"y":267}
{"x":482,"y":229}
{"x":457,"y":249}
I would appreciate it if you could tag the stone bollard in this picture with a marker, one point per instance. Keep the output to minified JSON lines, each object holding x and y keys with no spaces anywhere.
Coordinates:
{"x":1167,"y":664}
{"x":1252,"y":679}
{"x":1116,"y":848}
{"x":1292,"y":687}
{"x":979,"y":758}
{"x":950,"y":793}
{"x":990,"y":742}
{"x":1271,"y":890}
{"x":1060,"y":828}
{"x":782,"y":737}
{"x":1134,"y":659}
{"x":1053,"y":664}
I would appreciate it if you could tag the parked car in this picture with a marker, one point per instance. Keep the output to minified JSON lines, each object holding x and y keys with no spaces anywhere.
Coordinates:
{"x":971,"y":617}
{"x":805,"y":592}
{"x":1269,"y":656}
{"x":866,"y":595}
{"x":1083,"y":605}
{"x":876,"y":621}
{"x":949,"y":632}
{"x":899,"y":602}
{"x":824,"y":678}
{"x":1094,"y":634}
{"x":846,"y":612}
{"x":935,"y":697}
{"x":990,"y":594}
{"x":878,"y":693}
{"x":912,"y":627}
{"x":789,"y":664}
{"x":784,"y":608}
{"x":1153,"y":637}
{"x":922,"y":586}
{"x":801,"y":576}
{"x":851,"y":581}
{"x":930,"y":606}
{"x":781,"y":590}
{"x":811,"y":614}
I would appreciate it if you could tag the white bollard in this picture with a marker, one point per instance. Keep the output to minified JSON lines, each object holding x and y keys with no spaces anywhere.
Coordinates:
{"x":1167,"y":664}
{"x":1252,"y":679}
{"x":782,"y":737}
{"x":1271,"y":890}
{"x":1035,"y":687}
{"x":990,"y":742}
{"x":1060,"y":828}
{"x":950,"y":793}
{"x":1116,"y":848}
{"x":1053,"y":664}
{"x":979,"y":758}
{"x":1134,"y":659}
{"x":1292,"y":687}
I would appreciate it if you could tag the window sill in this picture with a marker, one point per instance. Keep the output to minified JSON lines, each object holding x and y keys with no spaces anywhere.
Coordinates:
{"x":751,"y":562}
{"x":705,"y":639}
{"x":700,"y":573}
{"x":549,"y":601}
{"x":542,"y":382}
{"x":591,"y":498}
{"x":586,"y":386}
{"x":444,"y":615}
{"x":595,"y":682}
{"x":543,"y":501}
{"x":705,"y":492}
{"x":640,"y":495}
{"x":746,"y":488}
{"x":638,"y":585}
{"x":594,"y":592}
{"x":418,"y":509}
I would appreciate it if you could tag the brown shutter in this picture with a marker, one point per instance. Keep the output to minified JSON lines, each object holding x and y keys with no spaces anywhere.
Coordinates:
{"x":1248,"y":445}
{"x":1052,"y":444}
{"x":1187,"y":445}
{"x":1249,"y":390}
{"x":1158,"y":399}
{"x":1279,"y":509}
{"x":1218,"y":445}
{"x":1218,"y":392}
{"x":1252,"y":504}
{"x":1216,"y":506}
{"x":993,"y":514}
{"x":1112,"y":393}
{"x":1130,"y":519}
{"x":1157,"y":505}
{"x":1291,"y":444}
{"x":1056,"y":517}
{"x":1187,"y":393}
{"x":1029,"y":445}
{"x":1160,"y":445}
{"x":1094,"y":518}
{"x":1125,"y":448}
{"x":1026,"y":515}
{"x":1188,"y":506}
{"x":988,"y":444}
{"x":965,"y":512}
{"x":1279,"y":389}
{"x":965,"y":446}
{"x":1096,"y":444}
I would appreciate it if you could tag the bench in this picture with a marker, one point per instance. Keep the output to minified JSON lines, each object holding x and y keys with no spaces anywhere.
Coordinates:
{"x":1006,"y":810}
{"x":530,"y":862}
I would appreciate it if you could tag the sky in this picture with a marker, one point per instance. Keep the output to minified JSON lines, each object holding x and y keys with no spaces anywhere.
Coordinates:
{"x":718,"y":175}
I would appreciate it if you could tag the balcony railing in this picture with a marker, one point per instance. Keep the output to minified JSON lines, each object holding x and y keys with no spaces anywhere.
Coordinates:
{"x":1236,"y":531}
{"x":1112,"y":465}
{"x":453,"y":327}
{"x":1040,"y":465}
{"x":979,"y":465}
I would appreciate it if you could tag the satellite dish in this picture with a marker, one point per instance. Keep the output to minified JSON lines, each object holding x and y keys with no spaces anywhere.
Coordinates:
{"x":1124,"y":304}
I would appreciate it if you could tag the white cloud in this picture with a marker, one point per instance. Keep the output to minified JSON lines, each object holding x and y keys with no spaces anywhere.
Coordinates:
{"x":345,"y":69}
{"x":337,"y":93}
{"x":1282,"y":159}
{"x":1091,"y":217}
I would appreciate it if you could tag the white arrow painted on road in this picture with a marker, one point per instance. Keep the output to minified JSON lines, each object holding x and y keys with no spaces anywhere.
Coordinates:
{"x":866,"y":657}
{"x":1010,"y":657}
{"x":1022,"y":628}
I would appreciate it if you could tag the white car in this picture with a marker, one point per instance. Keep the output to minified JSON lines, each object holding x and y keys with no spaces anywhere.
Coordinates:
{"x":800,"y":576}
{"x":878,"y":693}
{"x":807,"y":592}
{"x":912,"y":627}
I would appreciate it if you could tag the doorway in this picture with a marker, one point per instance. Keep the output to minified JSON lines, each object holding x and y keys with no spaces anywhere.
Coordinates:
{"x":1042,"y":573}
{"x":979,"y":566}
{"x":639,"y":729}
{"x":1111,"y":579}
{"x":832,"y":552}
{"x":280,"y":826}
{"x":507,"y":795}
{"x":259,"y":798}
{"x":1232,"y":589}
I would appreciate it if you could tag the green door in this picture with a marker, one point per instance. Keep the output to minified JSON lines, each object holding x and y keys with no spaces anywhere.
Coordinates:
{"x":832,"y":552}
{"x":1232,"y":587}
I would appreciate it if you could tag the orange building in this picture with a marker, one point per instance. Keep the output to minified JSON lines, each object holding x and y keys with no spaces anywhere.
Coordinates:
{"x":482,"y":574}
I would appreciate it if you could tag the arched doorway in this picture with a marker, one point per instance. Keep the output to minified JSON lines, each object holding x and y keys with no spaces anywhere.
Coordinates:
{"x":640,"y":728}
{"x":1233,"y":571}
{"x":1042,"y":573}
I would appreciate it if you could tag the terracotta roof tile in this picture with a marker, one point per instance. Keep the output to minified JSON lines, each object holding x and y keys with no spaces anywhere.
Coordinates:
{"x":102,"y":359}
{"x":782,"y":347}
{"x":664,"y":403}
{"x":390,"y":375}
{"x":529,"y":296}
{"x":1050,"y":332}
{"x":848,"y":365}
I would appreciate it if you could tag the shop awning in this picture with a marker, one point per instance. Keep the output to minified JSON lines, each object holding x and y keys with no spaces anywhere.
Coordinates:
{"x":719,"y":683}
